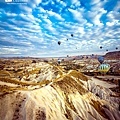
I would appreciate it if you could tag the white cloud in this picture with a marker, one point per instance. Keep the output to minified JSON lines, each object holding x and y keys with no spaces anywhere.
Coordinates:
{"x":93,"y":2}
{"x":41,"y":10}
{"x":11,"y":14}
{"x":46,"y":2}
{"x":117,"y":7}
{"x":113,"y":16}
{"x":29,"y":18}
{"x":58,"y":0}
{"x":57,"y":16}
{"x":96,"y":20}
{"x":75,"y":3}
{"x":25,"y":9}
{"x":89,"y":24}
{"x":110,"y":23}
{"x":81,"y":30}
{"x":96,"y":15}
{"x":77,"y":14}
{"x":9,"y":50}
{"x":63,"y":3}
{"x":51,"y":28}
{"x":34,"y":3}
{"x":37,"y":1}
{"x":32,"y":18}
{"x":47,"y":21}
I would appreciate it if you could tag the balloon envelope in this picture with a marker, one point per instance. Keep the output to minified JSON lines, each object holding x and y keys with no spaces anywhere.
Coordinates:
{"x":59,"y":61}
{"x":67,"y":55}
{"x":101,"y":59}
{"x":104,"y":68}
{"x":59,"y":42}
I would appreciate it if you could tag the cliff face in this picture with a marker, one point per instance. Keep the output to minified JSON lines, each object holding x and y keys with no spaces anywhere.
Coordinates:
{"x":113,"y":55}
{"x":48,"y":92}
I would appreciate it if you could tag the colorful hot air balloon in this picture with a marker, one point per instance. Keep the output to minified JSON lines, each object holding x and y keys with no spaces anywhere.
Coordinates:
{"x":101,"y":59}
{"x":59,"y":42}
{"x":104,"y":68}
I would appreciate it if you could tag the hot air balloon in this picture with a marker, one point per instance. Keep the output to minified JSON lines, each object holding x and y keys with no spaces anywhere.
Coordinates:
{"x":101,"y":59}
{"x":59,"y":42}
{"x":101,"y":47}
{"x":59,"y":61}
{"x":116,"y":48}
{"x":71,"y":35}
{"x":106,"y":49}
{"x":92,"y":56}
{"x":104,"y":68}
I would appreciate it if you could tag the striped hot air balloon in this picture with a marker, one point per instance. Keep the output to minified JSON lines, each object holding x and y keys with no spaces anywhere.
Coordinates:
{"x":104,"y":68}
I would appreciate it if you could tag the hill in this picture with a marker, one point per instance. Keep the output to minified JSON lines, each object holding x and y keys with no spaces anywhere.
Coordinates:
{"x":113,"y":55}
{"x":44,"y":91}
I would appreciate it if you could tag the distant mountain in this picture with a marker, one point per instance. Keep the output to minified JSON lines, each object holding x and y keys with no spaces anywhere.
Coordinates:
{"x":113,"y":55}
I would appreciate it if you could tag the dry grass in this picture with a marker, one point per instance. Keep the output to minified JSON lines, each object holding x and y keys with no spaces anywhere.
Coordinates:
{"x":8,"y":80}
{"x":69,"y":85}
{"x":5,"y":88}
{"x":59,"y":69}
{"x":4,"y":73}
{"x":78,"y":75}
{"x":35,"y":71}
{"x":44,"y":82}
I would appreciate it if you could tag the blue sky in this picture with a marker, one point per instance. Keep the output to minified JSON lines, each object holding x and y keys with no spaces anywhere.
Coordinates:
{"x":33,"y":28}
